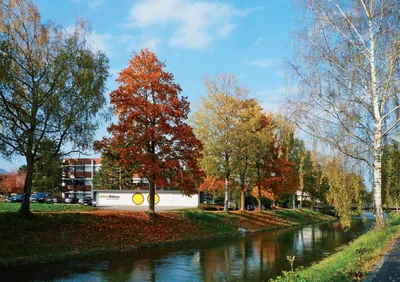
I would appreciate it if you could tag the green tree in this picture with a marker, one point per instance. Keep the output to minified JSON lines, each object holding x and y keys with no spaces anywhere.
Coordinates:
{"x":48,"y":168}
{"x":346,"y":189}
{"x":320,"y":185}
{"x":391,"y":174}
{"x":112,"y":175}
{"x":51,"y":86}
{"x":308,"y":176}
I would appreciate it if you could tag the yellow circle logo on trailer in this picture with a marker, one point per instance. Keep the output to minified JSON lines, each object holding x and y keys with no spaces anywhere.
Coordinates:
{"x":156,"y":199}
{"x":137,"y":198}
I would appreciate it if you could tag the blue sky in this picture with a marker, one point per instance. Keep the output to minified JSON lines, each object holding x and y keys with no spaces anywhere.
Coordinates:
{"x":195,"y":38}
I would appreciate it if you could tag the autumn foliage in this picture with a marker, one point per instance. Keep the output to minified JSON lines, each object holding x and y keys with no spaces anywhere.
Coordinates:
{"x":279,"y":176}
{"x":151,"y":136}
{"x":13,"y":183}
{"x":213,"y":186}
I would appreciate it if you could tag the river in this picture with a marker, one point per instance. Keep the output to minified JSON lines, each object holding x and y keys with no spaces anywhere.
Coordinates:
{"x":251,"y":257}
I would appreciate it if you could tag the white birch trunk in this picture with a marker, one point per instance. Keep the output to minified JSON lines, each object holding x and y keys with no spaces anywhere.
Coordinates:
{"x":379,"y":219}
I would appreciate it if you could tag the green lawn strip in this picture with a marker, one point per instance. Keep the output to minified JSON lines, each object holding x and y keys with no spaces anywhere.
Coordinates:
{"x":302,"y":216}
{"x":39,"y":207}
{"x":352,"y":262}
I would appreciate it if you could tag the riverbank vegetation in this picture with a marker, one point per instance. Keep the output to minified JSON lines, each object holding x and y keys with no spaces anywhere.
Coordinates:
{"x":353,"y":262}
{"x":55,"y":232}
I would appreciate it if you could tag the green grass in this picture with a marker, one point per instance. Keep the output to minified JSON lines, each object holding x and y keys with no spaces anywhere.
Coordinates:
{"x":220,"y":223}
{"x":352,"y":263}
{"x":300,"y":216}
{"x":43,"y":235}
{"x":38,"y":207}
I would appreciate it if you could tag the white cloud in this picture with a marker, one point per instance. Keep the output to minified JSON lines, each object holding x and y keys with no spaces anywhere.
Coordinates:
{"x":272,"y":107}
{"x":195,"y":23}
{"x":105,"y":42}
{"x":150,"y":43}
{"x":101,"y":42}
{"x":272,"y":99}
{"x":225,"y":30}
{"x":98,"y":41}
{"x":262,"y":62}
{"x":135,"y":43}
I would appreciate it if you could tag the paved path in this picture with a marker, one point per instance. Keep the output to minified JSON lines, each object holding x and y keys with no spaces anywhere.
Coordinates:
{"x":388,"y":267}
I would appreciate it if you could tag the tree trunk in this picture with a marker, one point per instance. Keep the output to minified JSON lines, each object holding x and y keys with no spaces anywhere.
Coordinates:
{"x":242,"y":200}
{"x":259,"y":203}
{"x":226,"y":195}
{"x":301,"y":180}
{"x":379,"y":219}
{"x":25,"y":205}
{"x":152,"y":190}
{"x":294,"y":201}
{"x":301,"y":198}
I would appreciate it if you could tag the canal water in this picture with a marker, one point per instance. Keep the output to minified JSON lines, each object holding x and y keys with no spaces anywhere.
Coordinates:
{"x":251,"y":257}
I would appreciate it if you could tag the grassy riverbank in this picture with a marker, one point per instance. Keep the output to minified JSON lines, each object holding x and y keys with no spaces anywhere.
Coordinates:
{"x":353,"y":262}
{"x":62,"y":231}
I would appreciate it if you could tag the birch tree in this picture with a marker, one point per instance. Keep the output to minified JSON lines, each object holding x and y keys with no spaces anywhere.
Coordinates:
{"x":346,"y":71}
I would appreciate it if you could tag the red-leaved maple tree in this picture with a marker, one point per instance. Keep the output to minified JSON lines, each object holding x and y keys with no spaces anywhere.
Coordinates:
{"x":151,"y":136}
{"x":215,"y":187}
{"x":279,"y":176}
{"x":13,"y":182}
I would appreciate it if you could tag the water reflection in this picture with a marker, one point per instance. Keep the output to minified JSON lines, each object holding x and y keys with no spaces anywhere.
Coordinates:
{"x":255,"y":257}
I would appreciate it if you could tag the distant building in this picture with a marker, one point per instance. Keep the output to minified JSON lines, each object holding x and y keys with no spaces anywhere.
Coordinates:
{"x":77,"y":178}
{"x":78,"y":173}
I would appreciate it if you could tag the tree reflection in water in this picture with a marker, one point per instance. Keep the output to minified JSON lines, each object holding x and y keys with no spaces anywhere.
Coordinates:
{"x":256,"y":257}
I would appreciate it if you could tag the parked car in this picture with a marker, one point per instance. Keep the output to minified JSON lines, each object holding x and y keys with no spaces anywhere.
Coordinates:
{"x":49,"y":200}
{"x":87,"y":201}
{"x":71,"y":200}
{"x":57,"y":200}
{"x":14,"y":199}
{"x":39,"y":197}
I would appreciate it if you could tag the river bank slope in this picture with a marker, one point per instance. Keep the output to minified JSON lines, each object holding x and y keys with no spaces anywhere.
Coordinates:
{"x":353,"y":262}
{"x":53,"y":235}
